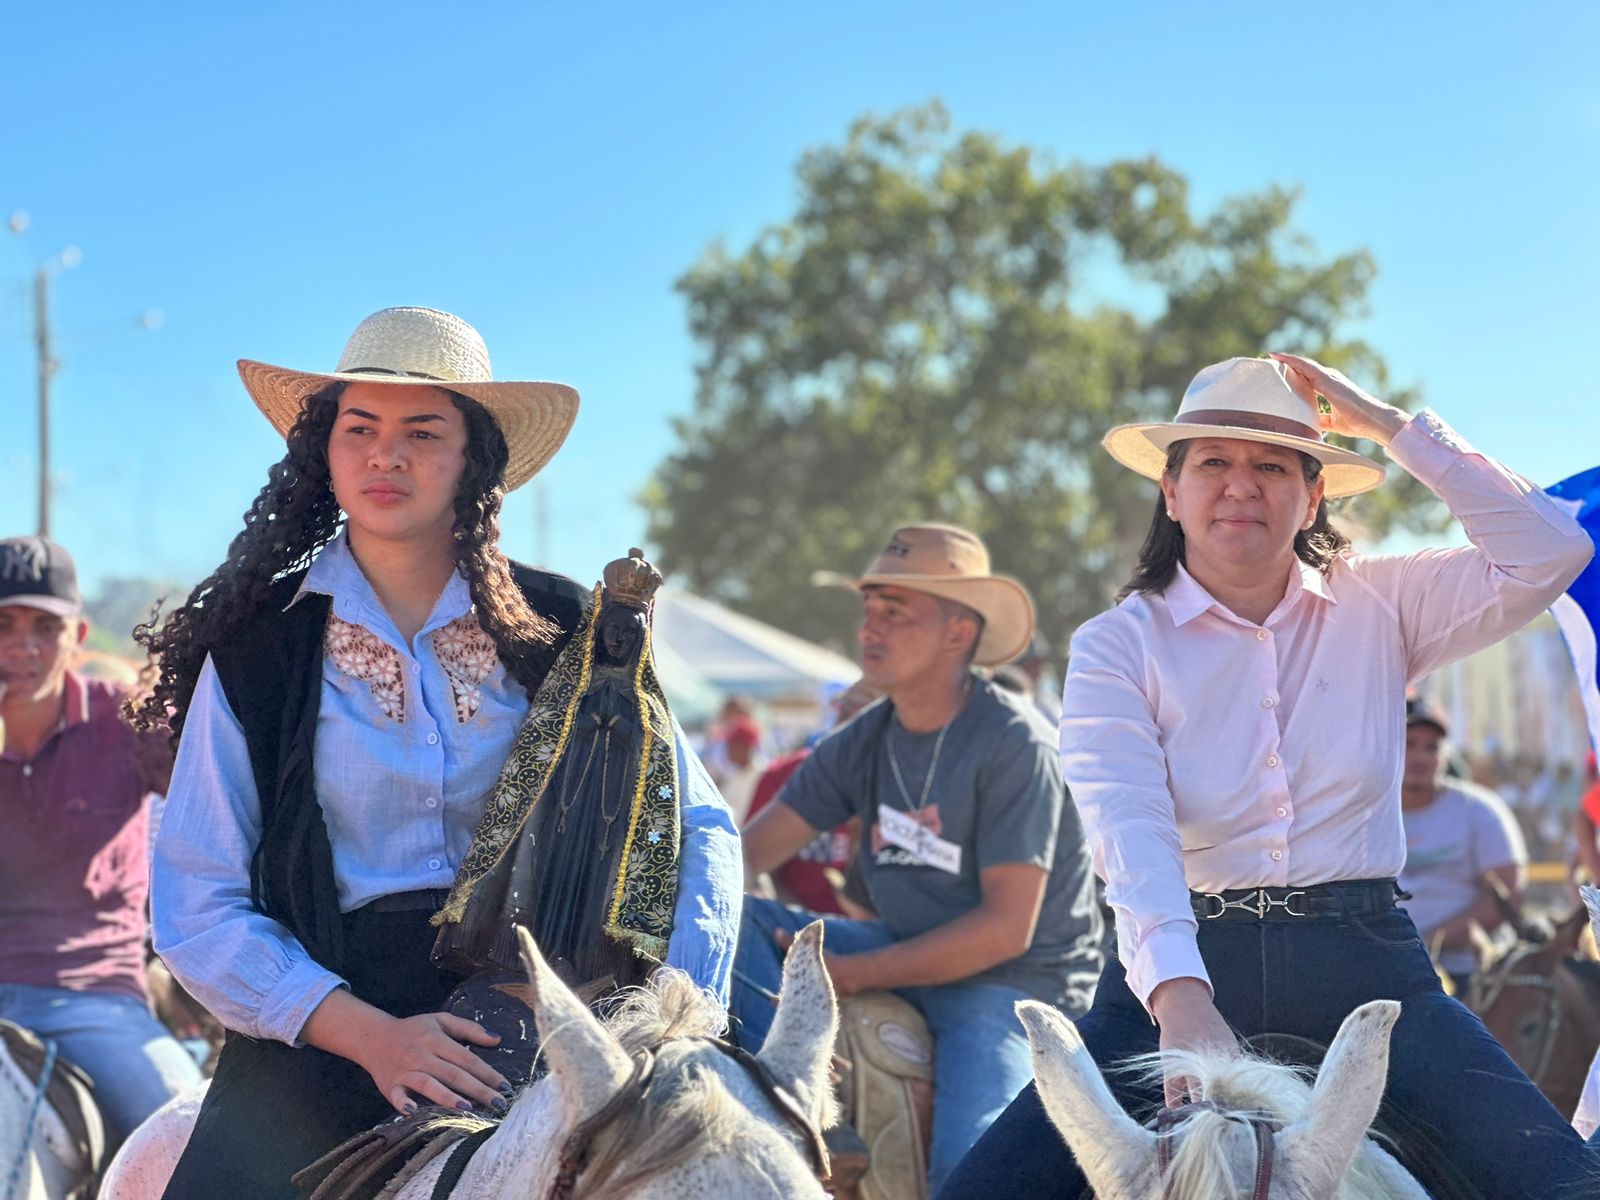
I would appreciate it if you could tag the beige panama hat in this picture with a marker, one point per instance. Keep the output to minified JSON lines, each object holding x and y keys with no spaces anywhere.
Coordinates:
{"x":1249,"y":399}
{"x":428,"y":348}
{"x":950,"y":562}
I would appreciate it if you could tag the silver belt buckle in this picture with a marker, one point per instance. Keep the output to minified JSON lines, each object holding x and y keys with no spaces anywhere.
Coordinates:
{"x":1259,"y":902}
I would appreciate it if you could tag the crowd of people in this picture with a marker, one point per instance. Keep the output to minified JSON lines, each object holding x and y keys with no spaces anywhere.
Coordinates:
{"x":394,"y":747}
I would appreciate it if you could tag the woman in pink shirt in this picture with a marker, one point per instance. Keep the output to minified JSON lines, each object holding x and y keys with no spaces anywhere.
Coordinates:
{"x":1232,"y":736}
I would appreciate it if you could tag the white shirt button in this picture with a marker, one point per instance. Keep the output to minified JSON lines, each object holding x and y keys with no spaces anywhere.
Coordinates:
{"x":433,"y":739}
{"x":1268,"y":702}
{"x":1261,"y":635}
{"x":1272,"y":760}
{"x":433,"y":802}
{"x":1277,"y":856}
{"x":27,"y":770}
{"x":433,"y":864}
{"x":416,"y":668}
{"x":1280,"y":810}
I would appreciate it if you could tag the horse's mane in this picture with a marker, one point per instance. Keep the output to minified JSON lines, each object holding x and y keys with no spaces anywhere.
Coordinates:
{"x":684,"y":1112}
{"x":1208,"y":1143}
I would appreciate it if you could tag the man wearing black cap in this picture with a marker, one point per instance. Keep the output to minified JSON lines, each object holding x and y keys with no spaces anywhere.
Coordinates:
{"x":74,"y":868}
{"x":1456,"y":833}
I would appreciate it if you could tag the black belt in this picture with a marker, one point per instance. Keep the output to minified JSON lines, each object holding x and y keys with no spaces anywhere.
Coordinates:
{"x":1319,"y":902}
{"x":431,"y":899}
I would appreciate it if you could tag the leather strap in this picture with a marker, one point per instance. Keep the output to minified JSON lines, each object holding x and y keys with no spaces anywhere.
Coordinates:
{"x":456,"y":1164}
{"x":1168,"y":1119}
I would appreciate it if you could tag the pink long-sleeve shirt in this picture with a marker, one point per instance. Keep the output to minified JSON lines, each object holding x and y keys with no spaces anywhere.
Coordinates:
{"x":1207,"y":752}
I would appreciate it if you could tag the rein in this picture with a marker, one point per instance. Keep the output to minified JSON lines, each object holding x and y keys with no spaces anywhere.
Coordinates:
{"x":1168,"y":1119}
{"x":575,"y":1150}
{"x":15,"y":1176}
{"x":1489,"y":993}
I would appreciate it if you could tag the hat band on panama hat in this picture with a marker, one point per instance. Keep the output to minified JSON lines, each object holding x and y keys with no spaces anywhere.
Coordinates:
{"x":1263,"y":422}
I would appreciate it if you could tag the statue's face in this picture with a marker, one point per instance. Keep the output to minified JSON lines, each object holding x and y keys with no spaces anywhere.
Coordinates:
{"x":621,"y":633}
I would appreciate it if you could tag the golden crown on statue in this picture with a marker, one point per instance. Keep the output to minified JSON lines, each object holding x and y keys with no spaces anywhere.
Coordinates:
{"x":632,"y":580}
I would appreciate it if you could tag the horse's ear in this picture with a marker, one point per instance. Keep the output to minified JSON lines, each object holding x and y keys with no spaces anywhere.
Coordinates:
{"x":1570,"y":932}
{"x":800,"y":1044}
{"x":1317,"y":1150}
{"x":1117,"y":1156}
{"x":583,"y":1055}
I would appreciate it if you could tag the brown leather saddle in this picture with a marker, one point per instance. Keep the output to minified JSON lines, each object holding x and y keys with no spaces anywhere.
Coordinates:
{"x":70,"y":1094}
{"x":377,"y":1163}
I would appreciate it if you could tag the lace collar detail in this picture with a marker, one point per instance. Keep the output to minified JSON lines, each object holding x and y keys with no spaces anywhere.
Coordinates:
{"x":465,"y":652}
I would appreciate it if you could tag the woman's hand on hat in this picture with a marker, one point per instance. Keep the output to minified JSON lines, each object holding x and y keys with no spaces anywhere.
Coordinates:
{"x":1354,"y":412}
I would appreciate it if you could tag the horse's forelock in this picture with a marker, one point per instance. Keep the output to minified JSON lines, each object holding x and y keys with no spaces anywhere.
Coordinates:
{"x":688,"y":1111}
{"x":671,"y":1005}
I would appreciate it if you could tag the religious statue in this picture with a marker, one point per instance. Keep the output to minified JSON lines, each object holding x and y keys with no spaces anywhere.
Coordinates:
{"x":579,"y":841}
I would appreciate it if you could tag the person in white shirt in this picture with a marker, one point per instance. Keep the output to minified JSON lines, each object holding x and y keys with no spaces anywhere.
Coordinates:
{"x":1456,"y":834}
{"x":1232,"y":736}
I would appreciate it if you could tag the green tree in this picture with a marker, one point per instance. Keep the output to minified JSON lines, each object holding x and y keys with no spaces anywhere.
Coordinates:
{"x":945,"y":329}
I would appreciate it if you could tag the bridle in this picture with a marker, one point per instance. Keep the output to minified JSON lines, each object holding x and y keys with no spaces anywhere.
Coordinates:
{"x":1492,"y":984}
{"x":575,"y":1150}
{"x":1168,"y":1119}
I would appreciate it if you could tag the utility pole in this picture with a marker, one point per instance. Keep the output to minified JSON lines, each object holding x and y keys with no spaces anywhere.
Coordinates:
{"x":47,"y":368}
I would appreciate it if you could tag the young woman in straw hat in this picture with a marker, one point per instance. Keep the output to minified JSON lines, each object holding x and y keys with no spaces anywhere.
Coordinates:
{"x":347,"y":685}
{"x":1233,"y":738}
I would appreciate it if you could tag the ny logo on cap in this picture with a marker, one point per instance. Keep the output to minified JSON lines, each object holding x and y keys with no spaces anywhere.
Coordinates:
{"x":22,"y":561}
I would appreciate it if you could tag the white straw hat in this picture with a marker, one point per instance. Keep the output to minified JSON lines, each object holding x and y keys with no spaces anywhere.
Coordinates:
{"x":428,"y":348}
{"x":1249,"y":399}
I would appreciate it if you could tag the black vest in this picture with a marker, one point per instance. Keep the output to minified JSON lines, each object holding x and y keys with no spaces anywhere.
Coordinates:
{"x":271,"y":672}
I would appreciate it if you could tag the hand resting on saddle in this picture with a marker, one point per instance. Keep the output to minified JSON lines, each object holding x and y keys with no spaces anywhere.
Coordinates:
{"x":648,"y":1102}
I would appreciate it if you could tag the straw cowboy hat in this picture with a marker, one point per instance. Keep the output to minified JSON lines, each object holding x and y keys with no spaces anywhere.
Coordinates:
{"x":424,"y":347}
{"x":1249,"y":399}
{"x":946,"y":561}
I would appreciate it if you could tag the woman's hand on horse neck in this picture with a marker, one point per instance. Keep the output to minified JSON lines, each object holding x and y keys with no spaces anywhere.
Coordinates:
{"x":1189,"y":1020}
{"x":421,"y":1056}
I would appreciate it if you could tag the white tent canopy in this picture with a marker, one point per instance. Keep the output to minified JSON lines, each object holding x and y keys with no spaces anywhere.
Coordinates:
{"x":739,"y":655}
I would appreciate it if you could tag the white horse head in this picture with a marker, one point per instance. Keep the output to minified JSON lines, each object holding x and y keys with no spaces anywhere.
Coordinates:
{"x":703,"y":1127}
{"x":1587,"y":1118}
{"x":35,"y":1143}
{"x":1322,"y":1152}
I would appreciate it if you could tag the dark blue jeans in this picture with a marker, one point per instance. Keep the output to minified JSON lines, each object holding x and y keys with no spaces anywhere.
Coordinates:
{"x":1453,"y":1093}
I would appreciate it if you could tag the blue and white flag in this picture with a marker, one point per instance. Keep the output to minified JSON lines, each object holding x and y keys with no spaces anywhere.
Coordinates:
{"x":1578,"y":612}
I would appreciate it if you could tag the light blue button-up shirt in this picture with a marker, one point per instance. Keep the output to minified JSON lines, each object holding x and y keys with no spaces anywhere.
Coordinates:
{"x":401,"y":796}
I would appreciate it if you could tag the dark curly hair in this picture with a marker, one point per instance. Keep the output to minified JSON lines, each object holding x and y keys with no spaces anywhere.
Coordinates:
{"x":1163,"y":547}
{"x":293,"y":517}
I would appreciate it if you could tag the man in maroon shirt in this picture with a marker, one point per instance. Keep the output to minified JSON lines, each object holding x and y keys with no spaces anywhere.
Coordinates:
{"x":74,"y":867}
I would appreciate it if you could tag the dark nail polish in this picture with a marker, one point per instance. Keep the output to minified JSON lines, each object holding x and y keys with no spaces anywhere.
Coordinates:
{"x":464,"y":1105}
{"x":500,"y":1105}
{"x":410,"y":1108}
{"x":507,"y":1090}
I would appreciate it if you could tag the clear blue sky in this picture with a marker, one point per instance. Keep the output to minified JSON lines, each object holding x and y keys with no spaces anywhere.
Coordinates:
{"x":269,"y":174}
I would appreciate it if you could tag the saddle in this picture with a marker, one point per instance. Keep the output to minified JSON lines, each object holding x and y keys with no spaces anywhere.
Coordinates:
{"x":887,"y":1096}
{"x":377,"y":1163}
{"x":70,"y":1094}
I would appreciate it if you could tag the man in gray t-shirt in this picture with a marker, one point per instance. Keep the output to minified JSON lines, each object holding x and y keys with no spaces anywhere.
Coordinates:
{"x":970,"y":854}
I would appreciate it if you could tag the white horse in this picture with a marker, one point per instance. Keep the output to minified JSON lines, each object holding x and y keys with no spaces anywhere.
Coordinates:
{"x":1321,"y":1153}
{"x":40,"y":1158}
{"x":1587,"y":1119}
{"x":703,"y":1126}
